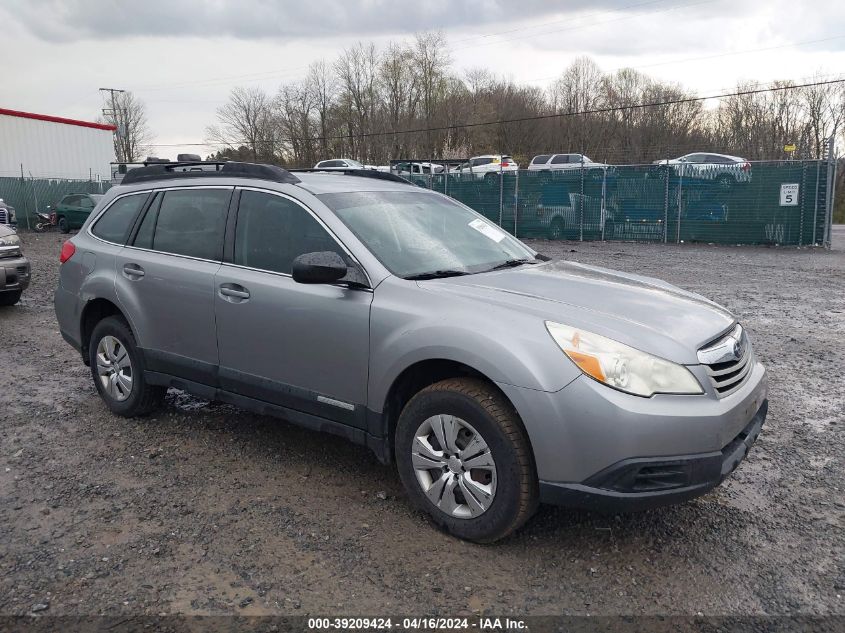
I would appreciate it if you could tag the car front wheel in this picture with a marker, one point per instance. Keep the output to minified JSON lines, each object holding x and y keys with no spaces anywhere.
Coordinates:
{"x":464,"y":458}
{"x":10,"y":298}
{"x":117,"y":368}
{"x":63,"y":225}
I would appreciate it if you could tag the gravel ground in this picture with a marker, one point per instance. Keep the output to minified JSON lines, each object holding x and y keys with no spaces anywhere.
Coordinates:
{"x":205,"y":509}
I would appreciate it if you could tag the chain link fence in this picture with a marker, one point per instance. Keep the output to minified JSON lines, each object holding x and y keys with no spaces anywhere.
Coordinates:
{"x":770,"y":202}
{"x":28,"y":195}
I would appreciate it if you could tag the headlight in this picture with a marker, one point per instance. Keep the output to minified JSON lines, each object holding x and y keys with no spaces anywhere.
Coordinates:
{"x":10,"y":240}
{"x":620,"y":366}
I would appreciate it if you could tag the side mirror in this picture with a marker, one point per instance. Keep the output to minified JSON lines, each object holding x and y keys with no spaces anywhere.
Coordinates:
{"x":324,"y":267}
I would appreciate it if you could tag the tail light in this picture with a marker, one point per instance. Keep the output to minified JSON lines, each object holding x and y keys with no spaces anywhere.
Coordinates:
{"x":68,"y":249}
{"x":746,"y":167}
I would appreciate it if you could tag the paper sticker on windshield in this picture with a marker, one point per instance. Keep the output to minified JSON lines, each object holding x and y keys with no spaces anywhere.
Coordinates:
{"x":487,"y":230}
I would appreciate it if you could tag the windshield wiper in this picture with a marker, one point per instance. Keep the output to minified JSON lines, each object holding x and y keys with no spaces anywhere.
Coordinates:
{"x":512,"y":263}
{"x":437,"y":274}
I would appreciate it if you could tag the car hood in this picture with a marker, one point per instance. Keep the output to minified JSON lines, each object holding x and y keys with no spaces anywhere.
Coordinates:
{"x":645,"y":313}
{"x":5,"y":230}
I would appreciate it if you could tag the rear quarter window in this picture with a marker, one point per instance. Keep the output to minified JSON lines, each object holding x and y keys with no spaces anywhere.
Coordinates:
{"x":114,"y":224}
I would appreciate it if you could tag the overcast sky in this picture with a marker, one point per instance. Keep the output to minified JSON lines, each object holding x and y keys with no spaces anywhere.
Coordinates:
{"x":183,"y":57}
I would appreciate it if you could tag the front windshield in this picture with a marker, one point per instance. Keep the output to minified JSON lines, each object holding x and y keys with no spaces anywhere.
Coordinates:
{"x":417,"y":234}
{"x":354,"y":163}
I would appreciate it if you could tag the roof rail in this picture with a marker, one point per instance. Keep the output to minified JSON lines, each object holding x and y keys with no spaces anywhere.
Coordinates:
{"x":363,"y":173}
{"x":208,"y":169}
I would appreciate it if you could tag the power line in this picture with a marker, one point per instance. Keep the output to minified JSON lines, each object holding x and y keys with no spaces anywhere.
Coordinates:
{"x":536,"y":117}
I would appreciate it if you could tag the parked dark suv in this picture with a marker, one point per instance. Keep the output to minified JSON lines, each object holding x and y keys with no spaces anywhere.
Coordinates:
{"x":359,"y":304}
{"x":14,"y":267}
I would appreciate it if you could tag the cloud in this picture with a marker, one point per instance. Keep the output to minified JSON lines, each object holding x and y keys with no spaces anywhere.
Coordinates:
{"x":74,"y":20}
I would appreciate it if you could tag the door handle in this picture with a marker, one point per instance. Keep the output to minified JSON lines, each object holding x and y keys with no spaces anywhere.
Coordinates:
{"x":234,"y":292}
{"x":133,"y":271}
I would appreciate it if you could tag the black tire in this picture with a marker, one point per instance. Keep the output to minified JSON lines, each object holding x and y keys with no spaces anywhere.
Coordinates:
{"x":488,"y":411}
{"x":10,"y":298}
{"x":63,"y":225}
{"x":143,"y":398}
{"x":491,"y":176}
{"x":557,"y":229}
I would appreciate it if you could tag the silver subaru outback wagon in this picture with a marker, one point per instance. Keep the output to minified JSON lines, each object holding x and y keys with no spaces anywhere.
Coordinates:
{"x":358,"y":304}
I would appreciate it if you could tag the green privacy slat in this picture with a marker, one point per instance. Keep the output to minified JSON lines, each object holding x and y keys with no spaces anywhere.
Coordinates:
{"x":22,"y":194}
{"x":655,"y":203}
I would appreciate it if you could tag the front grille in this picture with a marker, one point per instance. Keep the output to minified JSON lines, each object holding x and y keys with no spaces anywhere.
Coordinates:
{"x":4,"y":216}
{"x":728,"y":373}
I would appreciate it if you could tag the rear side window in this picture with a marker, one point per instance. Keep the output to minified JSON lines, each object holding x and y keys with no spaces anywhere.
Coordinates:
{"x":272,"y":231}
{"x":114,"y":224}
{"x":560,"y":159}
{"x":187,"y":222}
{"x":542,"y":159}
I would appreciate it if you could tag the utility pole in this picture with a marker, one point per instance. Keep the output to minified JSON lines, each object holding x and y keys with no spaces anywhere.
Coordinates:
{"x":119,"y":121}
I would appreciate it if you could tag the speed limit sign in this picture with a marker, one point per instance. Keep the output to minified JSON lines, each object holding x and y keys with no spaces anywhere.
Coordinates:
{"x":789,"y":195}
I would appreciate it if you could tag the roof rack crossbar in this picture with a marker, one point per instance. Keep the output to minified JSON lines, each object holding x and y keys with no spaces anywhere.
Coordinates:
{"x":203,"y":169}
{"x":363,"y":173}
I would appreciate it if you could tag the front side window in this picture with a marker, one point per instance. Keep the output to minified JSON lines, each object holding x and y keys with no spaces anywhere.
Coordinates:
{"x":187,"y":222}
{"x":114,"y":224}
{"x":418,"y":233}
{"x":542,"y":159}
{"x":272,"y":231}
{"x":560,"y":159}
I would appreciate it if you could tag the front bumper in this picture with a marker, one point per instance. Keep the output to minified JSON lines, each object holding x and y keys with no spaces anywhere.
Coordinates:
{"x":586,"y":438}
{"x":14,"y":273}
{"x":643,"y":483}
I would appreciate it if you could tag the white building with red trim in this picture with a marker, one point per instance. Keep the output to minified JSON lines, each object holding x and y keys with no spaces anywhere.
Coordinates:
{"x":54,"y":147}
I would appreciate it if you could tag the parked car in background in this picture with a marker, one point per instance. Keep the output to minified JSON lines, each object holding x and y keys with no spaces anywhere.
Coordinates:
{"x":74,"y":209}
{"x":405,"y":321}
{"x":14,"y":267}
{"x":720,"y":168}
{"x":339,"y":163}
{"x":487,"y":166}
{"x":7,"y":214}
{"x":553,"y":162}
{"x":417,"y":169}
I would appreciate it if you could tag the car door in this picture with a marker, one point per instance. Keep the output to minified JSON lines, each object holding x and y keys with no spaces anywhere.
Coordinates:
{"x":67,"y":207}
{"x":83,"y":210}
{"x":165,"y":280}
{"x":300,"y":346}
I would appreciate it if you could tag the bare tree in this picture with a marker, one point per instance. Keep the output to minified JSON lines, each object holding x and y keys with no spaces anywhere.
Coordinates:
{"x":129,"y":115}
{"x":247,"y":119}
{"x":322,"y":85}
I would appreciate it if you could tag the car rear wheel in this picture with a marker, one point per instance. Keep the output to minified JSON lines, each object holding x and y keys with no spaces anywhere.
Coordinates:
{"x":63,"y":225}
{"x":118,"y":371}
{"x":10,"y":298}
{"x":464,"y":458}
